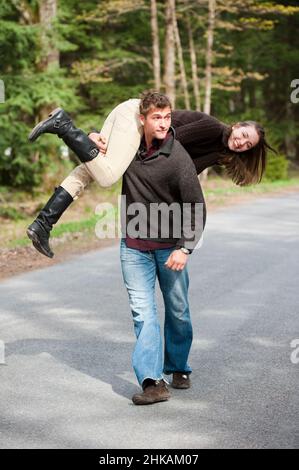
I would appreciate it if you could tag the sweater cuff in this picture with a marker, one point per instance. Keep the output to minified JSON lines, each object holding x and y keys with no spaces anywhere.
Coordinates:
{"x":178,"y":246}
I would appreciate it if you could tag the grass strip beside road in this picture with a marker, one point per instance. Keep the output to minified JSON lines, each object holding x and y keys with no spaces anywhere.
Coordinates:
{"x":85,"y":225}
{"x":217,"y":191}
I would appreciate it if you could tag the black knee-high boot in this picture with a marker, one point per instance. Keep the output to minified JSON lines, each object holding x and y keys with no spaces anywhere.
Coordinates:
{"x":39,"y":230}
{"x":60,"y":123}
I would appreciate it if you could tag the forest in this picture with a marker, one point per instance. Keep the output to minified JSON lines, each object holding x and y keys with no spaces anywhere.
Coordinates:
{"x":232,"y":59}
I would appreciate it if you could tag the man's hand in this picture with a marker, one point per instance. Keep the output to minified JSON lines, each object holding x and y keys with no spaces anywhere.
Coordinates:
{"x":99,"y":140}
{"x":177,"y":260}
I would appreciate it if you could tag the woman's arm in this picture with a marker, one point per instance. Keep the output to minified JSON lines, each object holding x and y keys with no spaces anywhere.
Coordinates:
{"x":193,"y":127}
{"x":205,"y":161}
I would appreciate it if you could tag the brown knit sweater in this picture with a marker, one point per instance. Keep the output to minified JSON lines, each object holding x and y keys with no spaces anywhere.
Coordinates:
{"x":203,"y":136}
{"x":165,"y":177}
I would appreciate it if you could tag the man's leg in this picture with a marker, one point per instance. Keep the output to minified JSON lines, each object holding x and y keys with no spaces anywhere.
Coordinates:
{"x":139,"y":274}
{"x":178,"y":328}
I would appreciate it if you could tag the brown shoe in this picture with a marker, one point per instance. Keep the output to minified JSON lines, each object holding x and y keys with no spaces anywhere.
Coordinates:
{"x":153,"y":393}
{"x":180,"y":380}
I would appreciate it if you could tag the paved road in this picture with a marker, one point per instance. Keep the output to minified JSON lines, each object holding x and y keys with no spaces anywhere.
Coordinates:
{"x":67,"y":381}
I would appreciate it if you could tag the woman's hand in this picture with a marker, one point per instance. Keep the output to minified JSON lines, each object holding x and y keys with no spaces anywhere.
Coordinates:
{"x":177,"y":260}
{"x":99,"y":140}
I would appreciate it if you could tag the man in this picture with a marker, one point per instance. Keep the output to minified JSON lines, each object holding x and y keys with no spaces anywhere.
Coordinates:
{"x":162,"y":173}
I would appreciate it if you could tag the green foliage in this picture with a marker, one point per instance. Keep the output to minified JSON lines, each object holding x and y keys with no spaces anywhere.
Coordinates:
{"x":277,"y":168}
{"x":18,"y":45}
{"x":11,"y":213}
{"x":21,"y":163}
{"x":104,"y":51}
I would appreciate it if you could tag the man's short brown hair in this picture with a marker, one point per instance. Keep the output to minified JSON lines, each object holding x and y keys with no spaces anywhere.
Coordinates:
{"x":153,"y":99}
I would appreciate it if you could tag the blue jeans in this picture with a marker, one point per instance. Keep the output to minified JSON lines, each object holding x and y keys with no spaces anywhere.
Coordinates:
{"x":140,"y":270}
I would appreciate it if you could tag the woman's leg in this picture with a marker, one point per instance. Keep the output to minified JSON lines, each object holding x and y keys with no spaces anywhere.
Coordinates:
{"x":77,"y":181}
{"x":71,"y":187}
{"x":39,"y":230}
{"x":123,"y":131}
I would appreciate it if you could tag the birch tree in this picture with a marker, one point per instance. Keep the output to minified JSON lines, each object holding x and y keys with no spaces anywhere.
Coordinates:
{"x":194,"y":68}
{"x":47,"y":13}
{"x":209,"y":56}
{"x":183,"y":75}
{"x":169,"y":54}
{"x":49,"y":53}
{"x":155,"y":45}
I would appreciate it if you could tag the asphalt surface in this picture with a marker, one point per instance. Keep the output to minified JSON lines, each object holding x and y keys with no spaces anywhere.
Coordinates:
{"x":68,"y":335}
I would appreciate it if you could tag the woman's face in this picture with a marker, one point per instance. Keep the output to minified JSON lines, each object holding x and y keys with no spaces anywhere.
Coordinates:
{"x":242,"y":138}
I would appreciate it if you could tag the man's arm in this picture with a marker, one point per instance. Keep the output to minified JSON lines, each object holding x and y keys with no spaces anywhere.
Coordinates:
{"x":99,"y":140}
{"x":193,"y":203}
{"x":177,"y":260}
{"x":194,"y":215}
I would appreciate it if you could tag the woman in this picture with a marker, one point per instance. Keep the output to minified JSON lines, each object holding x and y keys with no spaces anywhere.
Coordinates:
{"x":241,"y":149}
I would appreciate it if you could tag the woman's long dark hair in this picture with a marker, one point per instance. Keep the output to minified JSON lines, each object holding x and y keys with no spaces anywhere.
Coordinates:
{"x":247,"y":167}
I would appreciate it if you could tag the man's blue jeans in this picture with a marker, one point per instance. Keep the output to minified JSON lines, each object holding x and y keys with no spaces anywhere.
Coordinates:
{"x":140,"y":270}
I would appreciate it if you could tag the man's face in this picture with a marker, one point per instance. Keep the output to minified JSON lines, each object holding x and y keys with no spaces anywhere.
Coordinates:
{"x":156,"y":123}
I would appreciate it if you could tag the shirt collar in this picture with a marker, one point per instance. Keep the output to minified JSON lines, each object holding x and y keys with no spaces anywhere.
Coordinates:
{"x":159,"y":146}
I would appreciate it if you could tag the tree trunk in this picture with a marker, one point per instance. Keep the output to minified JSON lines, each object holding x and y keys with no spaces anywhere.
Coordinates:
{"x":50,"y":54}
{"x":155,"y":45}
{"x":290,"y":136}
{"x":181,"y":62}
{"x":169,"y":70}
{"x":195,"y":78}
{"x":252,"y":95}
{"x":209,"y":56}
{"x":209,"y":60}
{"x":47,"y":13}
